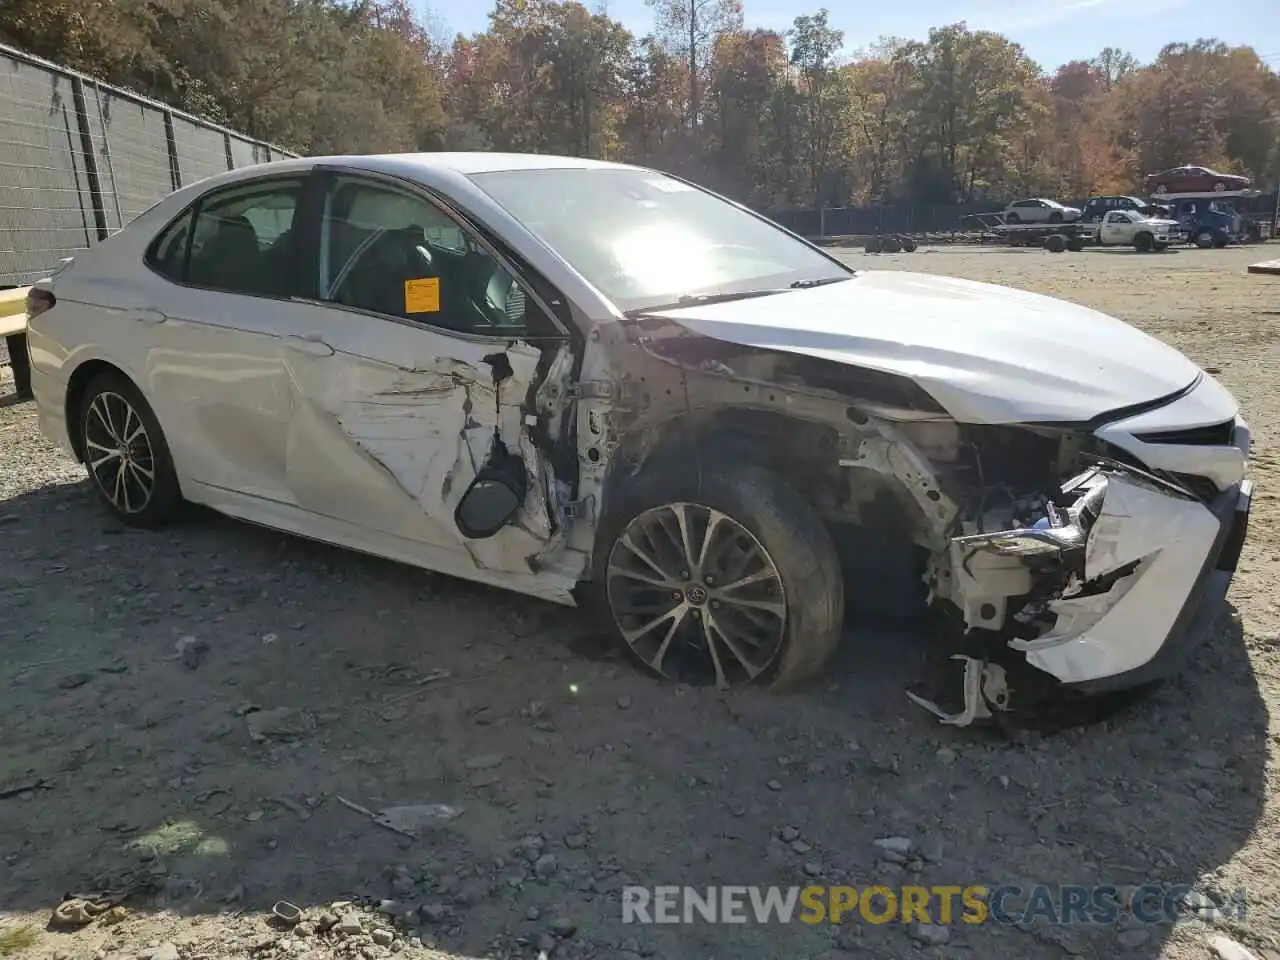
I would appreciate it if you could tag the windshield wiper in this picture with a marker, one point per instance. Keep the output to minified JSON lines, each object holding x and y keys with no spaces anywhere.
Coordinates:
{"x":700,"y":299}
{"x":818,"y":282}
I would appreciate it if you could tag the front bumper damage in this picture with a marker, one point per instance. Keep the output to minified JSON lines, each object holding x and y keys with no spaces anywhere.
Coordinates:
{"x":1108,"y":590}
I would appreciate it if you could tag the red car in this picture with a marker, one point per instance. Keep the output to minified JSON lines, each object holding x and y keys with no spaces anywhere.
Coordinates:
{"x":1194,"y":180}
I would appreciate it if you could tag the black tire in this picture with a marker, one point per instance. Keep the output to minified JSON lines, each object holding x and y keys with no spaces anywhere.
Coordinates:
{"x":909,"y":245}
{"x":892,"y":245}
{"x":105,"y":392}
{"x":1144,"y":242}
{"x":1055,"y":243}
{"x":1203,"y":239}
{"x":1012,"y":218}
{"x":1055,"y":217}
{"x":1219,"y":240}
{"x":1219,"y":187}
{"x":1075,"y":244}
{"x":873,"y":245}
{"x":780,"y":520}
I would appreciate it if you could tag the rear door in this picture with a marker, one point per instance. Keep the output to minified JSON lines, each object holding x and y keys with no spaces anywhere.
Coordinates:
{"x":215,"y":305}
{"x":421,"y":362}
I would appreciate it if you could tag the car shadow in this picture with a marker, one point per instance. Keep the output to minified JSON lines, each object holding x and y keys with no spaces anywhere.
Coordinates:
{"x":204,"y":716}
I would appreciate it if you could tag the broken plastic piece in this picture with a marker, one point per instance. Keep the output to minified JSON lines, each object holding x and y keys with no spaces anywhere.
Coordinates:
{"x":984,"y":687}
{"x":287,"y":912}
{"x":412,"y":818}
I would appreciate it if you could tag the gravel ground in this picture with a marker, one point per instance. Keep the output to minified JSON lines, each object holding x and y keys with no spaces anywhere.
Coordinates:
{"x":195,"y":702}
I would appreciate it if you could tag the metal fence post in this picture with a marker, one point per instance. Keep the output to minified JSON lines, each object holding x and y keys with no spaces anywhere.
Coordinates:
{"x":171,"y":141}
{"x":90,"y":161}
{"x":226,"y":145}
{"x":106,"y":155}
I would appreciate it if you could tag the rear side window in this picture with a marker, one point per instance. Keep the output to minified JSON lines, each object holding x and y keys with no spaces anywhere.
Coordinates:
{"x":169,"y":253}
{"x":241,"y":240}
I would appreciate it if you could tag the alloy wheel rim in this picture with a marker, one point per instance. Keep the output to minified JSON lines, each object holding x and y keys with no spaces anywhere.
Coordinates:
{"x":119,"y":453}
{"x":696,"y":595}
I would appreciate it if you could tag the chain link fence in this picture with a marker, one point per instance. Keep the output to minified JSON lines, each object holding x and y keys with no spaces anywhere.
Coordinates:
{"x":79,"y":159}
{"x":944,"y":219}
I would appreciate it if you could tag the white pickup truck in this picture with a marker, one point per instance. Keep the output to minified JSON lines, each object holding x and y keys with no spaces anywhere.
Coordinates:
{"x":1124,"y":228}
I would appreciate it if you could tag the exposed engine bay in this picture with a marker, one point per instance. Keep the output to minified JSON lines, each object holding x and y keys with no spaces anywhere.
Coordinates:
{"x":1051,"y":555}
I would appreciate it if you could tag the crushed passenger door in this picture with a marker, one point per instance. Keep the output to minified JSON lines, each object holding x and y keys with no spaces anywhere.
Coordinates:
{"x":393,"y":422}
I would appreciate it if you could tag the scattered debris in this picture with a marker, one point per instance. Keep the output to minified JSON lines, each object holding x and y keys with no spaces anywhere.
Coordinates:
{"x":1228,"y":949}
{"x":281,"y":723}
{"x":190,"y":651}
{"x":929,"y":933}
{"x":413,"y":818}
{"x":24,"y":786}
{"x":78,"y":912}
{"x":484,"y":762}
{"x":1271,"y":267}
{"x":287,"y":912}
{"x":74,"y":681}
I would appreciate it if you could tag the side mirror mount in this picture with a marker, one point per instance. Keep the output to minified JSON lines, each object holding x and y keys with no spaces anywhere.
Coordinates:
{"x":493,"y":499}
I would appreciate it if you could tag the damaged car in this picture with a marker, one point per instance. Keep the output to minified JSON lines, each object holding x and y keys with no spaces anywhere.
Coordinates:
{"x":607,"y":387}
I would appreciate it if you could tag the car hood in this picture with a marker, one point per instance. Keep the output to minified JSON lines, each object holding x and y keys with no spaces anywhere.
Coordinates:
{"x":987,"y":354}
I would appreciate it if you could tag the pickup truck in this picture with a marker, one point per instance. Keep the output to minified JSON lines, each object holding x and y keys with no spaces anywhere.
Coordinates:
{"x":1123,"y":228}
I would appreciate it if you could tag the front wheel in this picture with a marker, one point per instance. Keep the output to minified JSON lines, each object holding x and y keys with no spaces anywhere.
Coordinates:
{"x":1144,"y":243}
{"x":726,"y":579}
{"x":126,"y":453}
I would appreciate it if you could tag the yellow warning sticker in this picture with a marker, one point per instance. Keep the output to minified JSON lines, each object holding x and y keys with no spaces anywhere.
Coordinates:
{"x":422,"y":296}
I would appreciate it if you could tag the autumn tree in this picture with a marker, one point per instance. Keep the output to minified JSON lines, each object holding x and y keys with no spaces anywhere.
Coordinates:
{"x":780,"y":120}
{"x":688,"y":28}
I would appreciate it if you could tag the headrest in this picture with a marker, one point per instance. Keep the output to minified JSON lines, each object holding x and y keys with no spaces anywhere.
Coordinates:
{"x":388,"y":211}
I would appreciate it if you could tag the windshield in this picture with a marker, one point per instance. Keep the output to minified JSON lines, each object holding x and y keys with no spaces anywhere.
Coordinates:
{"x":644,"y":239}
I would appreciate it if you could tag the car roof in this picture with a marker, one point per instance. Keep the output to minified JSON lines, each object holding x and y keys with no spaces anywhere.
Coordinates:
{"x":468,"y":162}
{"x":433,"y":169}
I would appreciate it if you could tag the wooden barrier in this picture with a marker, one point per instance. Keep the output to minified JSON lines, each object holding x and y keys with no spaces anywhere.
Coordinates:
{"x":13,"y":327}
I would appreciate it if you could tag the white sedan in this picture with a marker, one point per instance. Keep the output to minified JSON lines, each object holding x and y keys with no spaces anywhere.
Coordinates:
{"x":1040,"y":210}
{"x":605,"y":386}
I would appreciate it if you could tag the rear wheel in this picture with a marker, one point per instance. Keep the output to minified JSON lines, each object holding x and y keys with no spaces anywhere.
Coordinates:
{"x":1012,"y":218}
{"x":1204,"y":239}
{"x":1219,"y":187}
{"x":892,"y":245}
{"x":1055,"y":243}
{"x":126,"y":453}
{"x":1055,"y":217}
{"x":728,"y":579}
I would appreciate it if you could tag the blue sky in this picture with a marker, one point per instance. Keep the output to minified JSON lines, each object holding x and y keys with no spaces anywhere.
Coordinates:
{"x":1052,"y":31}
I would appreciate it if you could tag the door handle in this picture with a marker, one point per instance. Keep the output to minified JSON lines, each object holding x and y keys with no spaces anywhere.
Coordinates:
{"x":149,"y":316}
{"x":311,"y":343}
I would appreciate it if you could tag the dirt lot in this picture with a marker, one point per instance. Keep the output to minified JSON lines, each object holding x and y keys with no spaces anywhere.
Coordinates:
{"x":579,"y":775}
